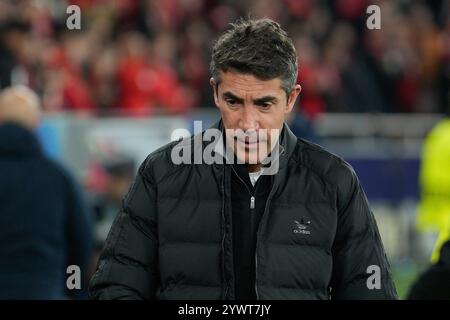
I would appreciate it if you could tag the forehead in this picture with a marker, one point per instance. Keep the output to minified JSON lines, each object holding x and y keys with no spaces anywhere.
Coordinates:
{"x":243,"y":84}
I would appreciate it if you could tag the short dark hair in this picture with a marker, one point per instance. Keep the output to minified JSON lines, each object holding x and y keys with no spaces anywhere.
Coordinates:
{"x":258,"y":47}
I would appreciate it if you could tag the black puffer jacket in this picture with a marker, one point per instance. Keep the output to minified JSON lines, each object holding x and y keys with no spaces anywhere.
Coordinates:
{"x":172,"y":239}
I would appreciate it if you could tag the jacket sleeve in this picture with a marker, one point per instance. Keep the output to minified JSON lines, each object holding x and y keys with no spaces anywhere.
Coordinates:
{"x":127,"y":267}
{"x":360,"y":266}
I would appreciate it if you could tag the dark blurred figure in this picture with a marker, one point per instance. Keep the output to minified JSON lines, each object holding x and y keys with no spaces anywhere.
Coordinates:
{"x":434,"y":283}
{"x":44,"y":226}
{"x":119,"y":173}
{"x":13,"y":35}
{"x":302,"y":126}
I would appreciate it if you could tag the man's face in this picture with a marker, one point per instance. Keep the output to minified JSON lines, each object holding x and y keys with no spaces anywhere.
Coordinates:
{"x":250,"y":104}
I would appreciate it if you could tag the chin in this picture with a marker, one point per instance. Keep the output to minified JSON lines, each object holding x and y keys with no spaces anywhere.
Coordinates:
{"x":248,"y":157}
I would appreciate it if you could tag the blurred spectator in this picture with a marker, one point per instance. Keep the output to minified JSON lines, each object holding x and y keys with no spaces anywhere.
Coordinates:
{"x":71,"y":61}
{"x":434,"y":283}
{"x":434,"y":208}
{"x":116,"y":176}
{"x":44,"y":226}
{"x":444,"y":72}
{"x":144,"y":56}
{"x":146,"y":76}
{"x":301,"y":126}
{"x":312,"y":101}
{"x":13,"y":35}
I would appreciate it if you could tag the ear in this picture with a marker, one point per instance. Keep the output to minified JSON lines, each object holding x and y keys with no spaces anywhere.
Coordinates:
{"x":293,"y":97}
{"x":213,"y":84}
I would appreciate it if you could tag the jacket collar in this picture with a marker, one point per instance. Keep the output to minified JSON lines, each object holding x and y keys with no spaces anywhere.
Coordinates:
{"x":16,"y":140}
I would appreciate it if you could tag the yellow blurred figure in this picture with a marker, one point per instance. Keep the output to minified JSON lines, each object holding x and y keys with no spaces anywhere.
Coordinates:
{"x":434,"y":208}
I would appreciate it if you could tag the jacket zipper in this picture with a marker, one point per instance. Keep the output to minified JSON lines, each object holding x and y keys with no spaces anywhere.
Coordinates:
{"x":252,"y":196}
{"x":252,"y":207}
{"x":223,"y":239}
{"x":269,"y":198}
{"x":252,"y":222}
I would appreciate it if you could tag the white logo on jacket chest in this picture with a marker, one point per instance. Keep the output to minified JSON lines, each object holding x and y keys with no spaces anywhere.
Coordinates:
{"x":302,"y":227}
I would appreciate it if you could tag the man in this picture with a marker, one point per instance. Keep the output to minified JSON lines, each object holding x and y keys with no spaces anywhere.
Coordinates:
{"x":43,"y":226}
{"x":287,"y":224}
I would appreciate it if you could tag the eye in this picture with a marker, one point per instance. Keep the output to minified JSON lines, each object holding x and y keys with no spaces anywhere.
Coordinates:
{"x":231,"y":102}
{"x":265,"y":106}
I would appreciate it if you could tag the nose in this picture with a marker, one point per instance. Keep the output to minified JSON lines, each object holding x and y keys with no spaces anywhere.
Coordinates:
{"x":248,"y":121}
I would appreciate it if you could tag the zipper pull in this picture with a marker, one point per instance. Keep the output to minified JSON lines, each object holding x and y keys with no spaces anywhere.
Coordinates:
{"x":252,"y":202}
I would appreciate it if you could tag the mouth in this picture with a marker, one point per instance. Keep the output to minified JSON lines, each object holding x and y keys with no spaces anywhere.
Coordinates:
{"x":248,"y":143}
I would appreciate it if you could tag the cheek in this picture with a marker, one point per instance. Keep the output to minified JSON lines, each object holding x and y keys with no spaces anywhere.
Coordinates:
{"x":229,"y":117}
{"x":273,"y":120}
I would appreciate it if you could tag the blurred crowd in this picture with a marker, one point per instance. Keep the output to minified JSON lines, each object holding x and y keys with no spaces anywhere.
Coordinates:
{"x":144,"y":56}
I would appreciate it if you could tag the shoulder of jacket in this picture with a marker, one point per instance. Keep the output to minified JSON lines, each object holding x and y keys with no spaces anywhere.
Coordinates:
{"x":328,"y":166}
{"x":159,"y":164}
{"x":52,"y":167}
{"x":58,"y":173}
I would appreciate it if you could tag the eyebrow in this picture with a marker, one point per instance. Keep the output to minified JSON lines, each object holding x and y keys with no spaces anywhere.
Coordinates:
{"x":258,"y":101}
{"x":229,"y":95}
{"x":265,"y":99}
